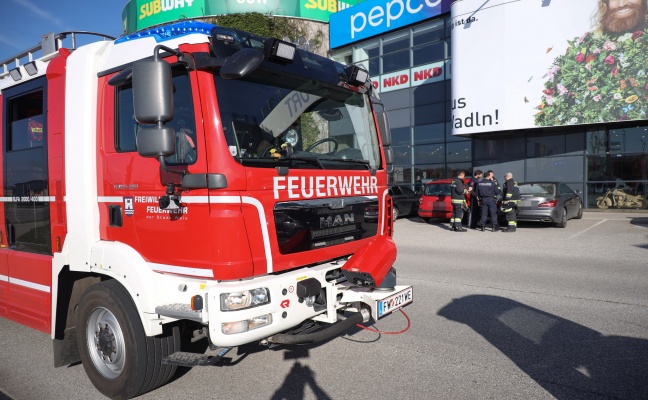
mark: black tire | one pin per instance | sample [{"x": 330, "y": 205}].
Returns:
[
  {"x": 579, "y": 214},
  {"x": 137, "y": 365},
  {"x": 426, "y": 219},
  {"x": 395, "y": 213},
  {"x": 563, "y": 220}
]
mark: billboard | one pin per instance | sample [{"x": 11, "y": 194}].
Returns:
[
  {"x": 373, "y": 17},
  {"x": 531, "y": 63},
  {"x": 142, "y": 14}
]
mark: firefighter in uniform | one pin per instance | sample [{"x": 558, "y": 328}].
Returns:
[
  {"x": 458, "y": 196},
  {"x": 510, "y": 198},
  {"x": 473, "y": 217},
  {"x": 487, "y": 191}
]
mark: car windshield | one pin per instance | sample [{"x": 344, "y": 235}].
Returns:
[
  {"x": 537, "y": 189},
  {"x": 270, "y": 121},
  {"x": 437, "y": 189}
]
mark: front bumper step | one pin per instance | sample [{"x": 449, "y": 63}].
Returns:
[
  {"x": 184, "y": 359},
  {"x": 179, "y": 311}
]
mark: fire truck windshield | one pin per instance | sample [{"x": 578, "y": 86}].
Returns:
[{"x": 271, "y": 120}]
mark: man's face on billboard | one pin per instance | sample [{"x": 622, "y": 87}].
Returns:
[{"x": 624, "y": 16}]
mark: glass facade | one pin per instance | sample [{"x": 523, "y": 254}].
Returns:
[
  {"x": 606, "y": 163},
  {"x": 419, "y": 116}
]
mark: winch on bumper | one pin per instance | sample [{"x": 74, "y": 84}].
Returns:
[{"x": 262, "y": 308}]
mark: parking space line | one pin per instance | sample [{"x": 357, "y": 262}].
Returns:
[{"x": 587, "y": 229}]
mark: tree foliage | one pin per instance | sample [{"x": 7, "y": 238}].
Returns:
[{"x": 259, "y": 24}]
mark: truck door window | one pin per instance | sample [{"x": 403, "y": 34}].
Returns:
[
  {"x": 183, "y": 121},
  {"x": 27, "y": 213}
]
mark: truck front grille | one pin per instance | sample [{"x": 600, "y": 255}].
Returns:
[{"x": 313, "y": 224}]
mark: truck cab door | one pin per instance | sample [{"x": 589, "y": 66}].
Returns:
[{"x": 130, "y": 186}]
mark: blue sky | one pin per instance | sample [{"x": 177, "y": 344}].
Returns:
[{"x": 25, "y": 21}]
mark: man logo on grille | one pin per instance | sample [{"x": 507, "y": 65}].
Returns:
[{"x": 337, "y": 220}]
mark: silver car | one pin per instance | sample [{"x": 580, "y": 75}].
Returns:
[{"x": 549, "y": 202}]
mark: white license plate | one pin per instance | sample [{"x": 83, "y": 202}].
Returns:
[{"x": 395, "y": 301}]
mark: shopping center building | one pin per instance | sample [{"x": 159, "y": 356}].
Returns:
[
  {"x": 538, "y": 88},
  {"x": 474, "y": 86}
]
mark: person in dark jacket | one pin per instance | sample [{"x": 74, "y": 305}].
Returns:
[
  {"x": 494, "y": 179},
  {"x": 510, "y": 198},
  {"x": 487, "y": 191},
  {"x": 458, "y": 197},
  {"x": 473, "y": 217}
]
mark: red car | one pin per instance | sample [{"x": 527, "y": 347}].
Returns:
[{"x": 436, "y": 201}]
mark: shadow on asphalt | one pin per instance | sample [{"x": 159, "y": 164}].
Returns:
[
  {"x": 641, "y": 221},
  {"x": 295, "y": 384},
  {"x": 569, "y": 360}
]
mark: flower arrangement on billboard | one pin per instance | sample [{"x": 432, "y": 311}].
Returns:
[{"x": 600, "y": 78}]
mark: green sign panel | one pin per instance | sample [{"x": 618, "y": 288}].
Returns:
[{"x": 141, "y": 14}]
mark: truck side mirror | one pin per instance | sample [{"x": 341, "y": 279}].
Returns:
[
  {"x": 389, "y": 159},
  {"x": 241, "y": 63},
  {"x": 383, "y": 125},
  {"x": 153, "y": 105},
  {"x": 152, "y": 91},
  {"x": 156, "y": 142},
  {"x": 383, "y": 121}
]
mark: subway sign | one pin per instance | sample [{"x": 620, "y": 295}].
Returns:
[
  {"x": 142, "y": 14},
  {"x": 374, "y": 17}
]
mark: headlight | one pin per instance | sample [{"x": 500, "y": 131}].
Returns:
[
  {"x": 230, "y": 328},
  {"x": 291, "y": 137},
  {"x": 244, "y": 299}
]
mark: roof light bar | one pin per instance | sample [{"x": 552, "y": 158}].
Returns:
[
  {"x": 15, "y": 74},
  {"x": 357, "y": 76},
  {"x": 280, "y": 51},
  {"x": 224, "y": 38},
  {"x": 168, "y": 32},
  {"x": 31, "y": 68}
]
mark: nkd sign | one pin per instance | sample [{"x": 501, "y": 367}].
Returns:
[{"x": 421, "y": 75}]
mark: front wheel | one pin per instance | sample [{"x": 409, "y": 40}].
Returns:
[
  {"x": 603, "y": 202},
  {"x": 426, "y": 219},
  {"x": 395, "y": 213},
  {"x": 120, "y": 360},
  {"x": 579, "y": 214}
]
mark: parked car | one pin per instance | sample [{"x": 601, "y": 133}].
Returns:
[
  {"x": 420, "y": 185},
  {"x": 436, "y": 200},
  {"x": 406, "y": 201},
  {"x": 553, "y": 202}
]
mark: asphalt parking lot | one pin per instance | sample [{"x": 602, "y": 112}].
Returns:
[
  {"x": 568, "y": 307},
  {"x": 543, "y": 313}
]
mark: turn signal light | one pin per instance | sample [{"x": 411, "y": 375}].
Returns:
[{"x": 197, "y": 303}]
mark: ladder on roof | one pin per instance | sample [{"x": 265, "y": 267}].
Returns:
[{"x": 48, "y": 48}]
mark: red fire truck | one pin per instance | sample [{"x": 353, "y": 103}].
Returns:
[{"x": 184, "y": 182}]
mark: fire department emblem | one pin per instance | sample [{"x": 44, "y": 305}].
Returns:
[{"x": 129, "y": 208}]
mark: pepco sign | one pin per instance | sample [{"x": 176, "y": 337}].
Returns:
[{"x": 374, "y": 17}]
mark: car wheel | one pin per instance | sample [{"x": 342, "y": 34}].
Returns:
[
  {"x": 395, "y": 213},
  {"x": 426, "y": 219},
  {"x": 118, "y": 357},
  {"x": 563, "y": 220},
  {"x": 579, "y": 215}
]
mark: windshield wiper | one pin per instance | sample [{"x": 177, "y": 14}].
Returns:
[
  {"x": 349, "y": 160},
  {"x": 311, "y": 160}
]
